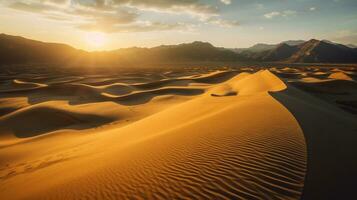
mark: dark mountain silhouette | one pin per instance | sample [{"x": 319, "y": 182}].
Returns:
[
  {"x": 282, "y": 52},
  {"x": 196, "y": 51},
  {"x": 260, "y": 47},
  {"x": 19, "y": 50},
  {"x": 312, "y": 51},
  {"x": 15, "y": 49},
  {"x": 315, "y": 51},
  {"x": 294, "y": 42}
]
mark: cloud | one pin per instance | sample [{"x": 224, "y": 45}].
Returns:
[
  {"x": 227, "y": 2},
  {"x": 284, "y": 13},
  {"x": 30, "y": 7},
  {"x": 223, "y": 22},
  {"x": 272, "y": 14},
  {"x": 193, "y": 7},
  {"x": 122, "y": 15},
  {"x": 312, "y": 8},
  {"x": 141, "y": 26}
]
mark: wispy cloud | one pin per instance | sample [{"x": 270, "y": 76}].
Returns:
[
  {"x": 284, "y": 13},
  {"x": 122, "y": 15},
  {"x": 222, "y": 22},
  {"x": 227, "y": 2},
  {"x": 272, "y": 14},
  {"x": 139, "y": 26}
]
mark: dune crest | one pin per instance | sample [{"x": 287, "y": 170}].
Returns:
[
  {"x": 17, "y": 85},
  {"x": 249, "y": 84},
  {"x": 340, "y": 76},
  {"x": 262, "y": 81}
]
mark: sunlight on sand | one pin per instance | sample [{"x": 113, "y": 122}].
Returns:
[{"x": 233, "y": 133}]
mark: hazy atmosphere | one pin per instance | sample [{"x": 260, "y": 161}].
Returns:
[{"x": 112, "y": 24}]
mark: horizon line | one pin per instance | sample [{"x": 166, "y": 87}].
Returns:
[{"x": 149, "y": 47}]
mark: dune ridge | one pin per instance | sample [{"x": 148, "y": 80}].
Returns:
[
  {"x": 340, "y": 76},
  {"x": 18, "y": 86}
]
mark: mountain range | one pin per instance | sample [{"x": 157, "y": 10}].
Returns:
[
  {"x": 264, "y": 47},
  {"x": 19, "y": 50},
  {"x": 312, "y": 51}
]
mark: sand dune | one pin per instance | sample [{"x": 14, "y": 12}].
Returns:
[
  {"x": 9, "y": 105},
  {"x": 117, "y": 89},
  {"x": 340, "y": 76},
  {"x": 327, "y": 86},
  {"x": 180, "y": 135},
  {"x": 17, "y": 85},
  {"x": 143, "y": 97},
  {"x": 55, "y": 119}
]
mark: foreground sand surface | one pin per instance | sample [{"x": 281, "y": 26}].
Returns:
[{"x": 192, "y": 133}]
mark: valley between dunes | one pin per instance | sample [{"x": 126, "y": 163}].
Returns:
[{"x": 236, "y": 133}]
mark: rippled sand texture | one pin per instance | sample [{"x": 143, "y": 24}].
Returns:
[{"x": 180, "y": 134}]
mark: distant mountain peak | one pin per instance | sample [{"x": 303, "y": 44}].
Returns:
[
  {"x": 294, "y": 42},
  {"x": 200, "y": 43},
  {"x": 283, "y": 45},
  {"x": 314, "y": 41},
  {"x": 281, "y": 52},
  {"x": 311, "y": 51}
]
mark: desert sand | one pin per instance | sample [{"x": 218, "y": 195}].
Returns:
[{"x": 195, "y": 133}]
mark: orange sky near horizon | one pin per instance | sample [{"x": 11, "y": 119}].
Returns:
[{"x": 105, "y": 25}]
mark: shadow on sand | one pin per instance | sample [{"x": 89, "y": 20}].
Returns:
[{"x": 331, "y": 139}]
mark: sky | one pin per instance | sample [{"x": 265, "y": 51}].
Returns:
[{"x": 111, "y": 24}]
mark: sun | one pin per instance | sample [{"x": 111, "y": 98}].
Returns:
[{"x": 95, "y": 39}]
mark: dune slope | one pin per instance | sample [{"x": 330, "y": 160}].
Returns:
[{"x": 234, "y": 141}]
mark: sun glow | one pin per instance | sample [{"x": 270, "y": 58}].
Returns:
[{"x": 95, "y": 39}]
